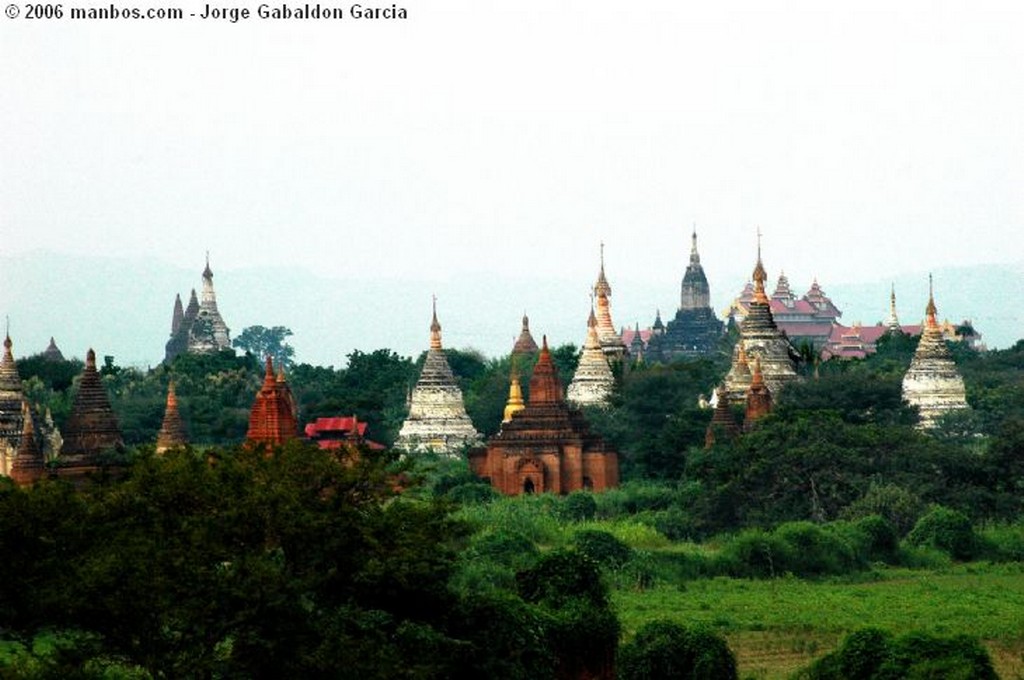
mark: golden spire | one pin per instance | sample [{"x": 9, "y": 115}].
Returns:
[
  {"x": 435, "y": 329},
  {"x": 515, "y": 394},
  {"x": 760, "y": 275},
  {"x": 930, "y": 310}
]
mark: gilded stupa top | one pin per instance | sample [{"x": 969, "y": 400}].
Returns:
[
  {"x": 435, "y": 329},
  {"x": 759, "y": 275}
]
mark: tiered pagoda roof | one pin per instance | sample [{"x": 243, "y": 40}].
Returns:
[
  {"x": 593, "y": 381},
  {"x": 437, "y": 419},
  {"x": 92, "y": 426},
  {"x": 172, "y": 432},
  {"x": 932, "y": 383},
  {"x": 760, "y": 339}
]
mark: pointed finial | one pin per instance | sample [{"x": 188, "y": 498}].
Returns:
[
  {"x": 544, "y": 343},
  {"x": 602, "y": 255},
  {"x": 90, "y": 359},
  {"x": 930, "y": 310},
  {"x": 435, "y": 327}
]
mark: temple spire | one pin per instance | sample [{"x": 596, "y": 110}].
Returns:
[
  {"x": 759, "y": 275},
  {"x": 694, "y": 255},
  {"x": 930, "y": 310},
  {"x": 435, "y": 328},
  {"x": 893, "y": 323}
]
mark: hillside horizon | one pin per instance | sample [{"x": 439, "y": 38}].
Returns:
[{"x": 126, "y": 311}]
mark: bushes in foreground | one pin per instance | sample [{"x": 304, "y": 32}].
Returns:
[
  {"x": 664, "y": 649},
  {"x": 872, "y": 654}
]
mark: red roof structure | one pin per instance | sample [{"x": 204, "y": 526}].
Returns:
[{"x": 339, "y": 432}]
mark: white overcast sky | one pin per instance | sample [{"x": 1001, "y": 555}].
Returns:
[{"x": 864, "y": 138}]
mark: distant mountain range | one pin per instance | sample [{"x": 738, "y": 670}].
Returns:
[{"x": 122, "y": 307}]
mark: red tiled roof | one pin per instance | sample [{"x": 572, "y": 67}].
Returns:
[
  {"x": 627, "y": 336},
  {"x": 336, "y": 424}
]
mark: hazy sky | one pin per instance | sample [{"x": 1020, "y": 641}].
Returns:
[{"x": 865, "y": 138}]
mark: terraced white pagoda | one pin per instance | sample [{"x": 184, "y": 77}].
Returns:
[
  {"x": 437, "y": 419},
  {"x": 932, "y": 383}
]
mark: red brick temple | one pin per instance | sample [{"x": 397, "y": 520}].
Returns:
[
  {"x": 274, "y": 418},
  {"x": 546, "y": 446}
]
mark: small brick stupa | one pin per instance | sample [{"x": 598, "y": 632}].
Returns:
[
  {"x": 172, "y": 432},
  {"x": 759, "y": 398},
  {"x": 932, "y": 383},
  {"x": 525, "y": 344},
  {"x": 547, "y": 445},
  {"x": 437, "y": 419},
  {"x": 593, "y": 381},
  {"x": 92, "y": 426},
  {"x": 273, "y": 419},
  {"x": 29, "y": 465}
]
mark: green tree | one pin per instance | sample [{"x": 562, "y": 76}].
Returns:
[{"x": 261, "y": 342}]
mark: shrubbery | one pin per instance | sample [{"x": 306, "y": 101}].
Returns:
[
  {"x": 947, "y": 530},
  {"x": 664, "y": 649},
  {"x": 871, "y": 654}
]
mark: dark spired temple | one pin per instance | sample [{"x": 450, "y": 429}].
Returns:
[
  {"x": 92, "y": 426},
  {"x": 546, "y": 446},
  {"x": 695, "y": 331}
]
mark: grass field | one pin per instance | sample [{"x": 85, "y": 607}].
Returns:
[{"x": 778, "y": 626}]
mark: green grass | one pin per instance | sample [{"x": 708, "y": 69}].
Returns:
[{"x": 776, "y": 626}]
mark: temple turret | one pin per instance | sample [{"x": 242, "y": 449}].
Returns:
[
  {"x": 172, "y": 432},
  {"x": 759, "y": 399},
  {"x": 437, "y": 419},
  {"x": 92, "y": 426},
  {"x": 52, "y": 352},
  {"x": 611, "y": 341},
  {"x": 272, "y": 420},
  {"x": 932, "y": 383},
  {"x": 695, "y": 331},
  {"x": 525, "y": 344},
  {"x": 760, "y": 339},
  {"x": 593, "y": 381},
  {"x": 547, "y": 445},
  {"x": 178, "y": 315}
]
